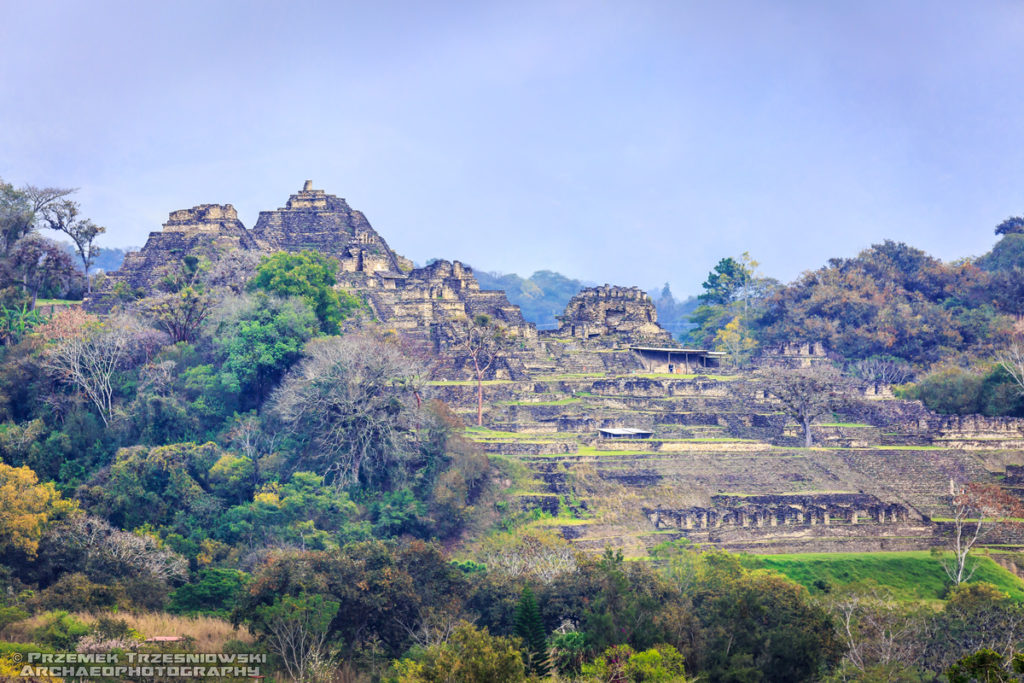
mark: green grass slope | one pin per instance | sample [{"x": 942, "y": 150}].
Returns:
[{"x": 909, "y": 575}]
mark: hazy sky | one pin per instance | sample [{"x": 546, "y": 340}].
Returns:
[{"x": 627, "y": 142}]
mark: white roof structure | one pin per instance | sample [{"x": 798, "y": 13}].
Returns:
[{"x": 625, "y": 431}]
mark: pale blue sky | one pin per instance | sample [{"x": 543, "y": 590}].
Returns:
[{"x": 625, "y": 142}]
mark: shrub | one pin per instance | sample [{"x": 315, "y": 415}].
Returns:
[{"x": 60, "y": 630}]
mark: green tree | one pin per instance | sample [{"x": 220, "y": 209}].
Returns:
[
  {"x": 976, "y": 616},
  {"x": 755, "y": 625},
  {"x": 16, "y": 216},
  {"x": 892, "y": 300},
  {"x": 232, "y": 477},
  {"x": 470, "y": 655},
  {"x": 724, "y": 284},
  {"x": 29, "y": 263},
  {"x": 1014, "y": 225},
  {"x": 164, "y": 485},
  {"x": 983, "y": 666},
  {"x": 27, "y": 509},
  {"x": 40, "y": 267},
  {"x": 530, "y": 628},
  {"x": 733, "y": 296},
  {"x": 63, "y": 216},
  {"x": 383, "y": 590},
  {"x": 621, "y": 663},
  {"x": 311, "y": 277},
  {"x": 1007, "y": 253},
  {"x": 258, "y": 338},
  {"x": 213, "y": 591}
]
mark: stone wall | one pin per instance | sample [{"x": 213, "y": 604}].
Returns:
[
  {"x": 782, "y": 510},
  {"x": 793, "y": 355}
]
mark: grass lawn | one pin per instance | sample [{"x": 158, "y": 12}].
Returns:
[
  {"x": 58, "y": 302},
  {"x": 841, "y": 424},
  {"x": 909, "y": 575},
  {"x": 467, "y": 382},
  {"x": 557, "y": 402}
]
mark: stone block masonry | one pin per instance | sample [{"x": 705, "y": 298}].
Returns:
[{"x": 626, "y": 312}]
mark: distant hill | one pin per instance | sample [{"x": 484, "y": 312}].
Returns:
[
  {"x": 541, "y": 297},
  {"x": 110, "y": 258}
]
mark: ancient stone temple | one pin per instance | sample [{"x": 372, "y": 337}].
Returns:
[
  {"x": 441, "y": 291},
  {"x": 207, "y": 231},
  {"x": 321, "y": 222},
  {"x": 627, "y": 313},
  {"x": 414, "y": 300}
]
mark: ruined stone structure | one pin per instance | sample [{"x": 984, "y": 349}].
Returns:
[
  {"x": 717, "y": 466},
  {"x": 794, "y": 355},
  {"x": 415, "y": 301},
  {"x": 783, "y": 510},
  {"x": 321, "y": 222},
  {"x": 625, "y": 312},
  {"x": 670, "y": 360},
  {"x": 207, "y": 231},
  {"x": 441, "y": 291}
]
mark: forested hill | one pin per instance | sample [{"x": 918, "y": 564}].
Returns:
[
  {"x": 950, "y": 332},
  {"x": 541, "y": 296}
]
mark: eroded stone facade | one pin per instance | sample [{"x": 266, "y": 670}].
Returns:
[
  {"x": 627, "y": 313},
  {"x": 207, "y": 231},
  {"x": 416, "y": 301}
]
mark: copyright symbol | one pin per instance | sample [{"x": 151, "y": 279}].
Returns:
[{"x": 17, "y": 656}]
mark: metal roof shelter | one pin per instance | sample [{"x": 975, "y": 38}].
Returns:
[
  {"x": 675, "y": 360},
  {"x": 625, "y": 433}
]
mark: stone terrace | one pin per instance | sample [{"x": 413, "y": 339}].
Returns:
[{"x": 717, "y": 455}]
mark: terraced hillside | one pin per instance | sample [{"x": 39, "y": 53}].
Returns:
[{"x": 725, "y": 469}]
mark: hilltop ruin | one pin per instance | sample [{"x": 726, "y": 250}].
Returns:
[{"x": 712, "y": 465}]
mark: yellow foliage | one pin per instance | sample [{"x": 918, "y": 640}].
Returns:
[
  {"x": 26, "y": 507},
  {"x": 268, "y": 497},
  {"x": 735, "y": 339}
]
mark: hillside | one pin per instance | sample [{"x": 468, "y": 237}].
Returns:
[{"x": 291, "y": 425}]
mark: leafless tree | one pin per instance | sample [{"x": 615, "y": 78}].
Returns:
[
  {"x": 180, "y": 314},
  {"x": 121, "y": 551},
  {"x": 804, "y": 393},
  {"x": 296, "y": 630},
  {"x": 878, "y": 633},
  {"x": 480, "y": 340},
  {"x": 884, "y": 370},
  {"x": 544, "y": 557},
  {"x": 246, "y": 435},
  {"x": 977, "y": 509},
  {"x": 40, "y": 198},
  {"x": 435, "y": 624},
  {"x": 353, "y": 401},
  {"x": 1011, "y": 360},
  {"x": 88, "y": 355},
  {"x": 232, "y": 270}
]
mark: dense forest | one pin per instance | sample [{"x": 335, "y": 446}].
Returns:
[
  {"x": 945, "y": 333},
  {"x": 240, "y": 452}
]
